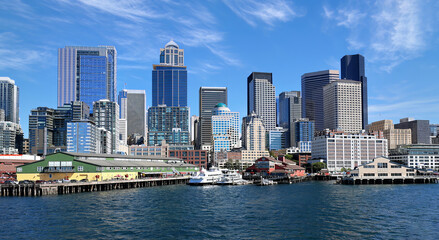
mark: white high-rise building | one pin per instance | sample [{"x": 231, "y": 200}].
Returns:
[
  {"x": 225, "y": 128},
  {"x": 342, "y": 106},
  {"x": 262, "y": 98},
  {"x": 9, "y": 100}
]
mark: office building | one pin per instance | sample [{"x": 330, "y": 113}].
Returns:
[
  {"x": 11, "y": 138},
  {"x": 424, "y": 156},
  {"x": 169, "y": 78},
  {"x": 342, "y": 106},
  {"x": 312, "y": 95},
  {"x": 352, "y": 68},
  {"x": 225, "y": 128},
  {"x": 106, "y": 115},
  {"x": 253, "y": 133},
  {"x": 420, "y": 129},
  {"x": 290, "y": 108},
  {"x": 132, "y": 105},
  {"x": 87, "y": 74},
  {"x": 195, "y": 131},
  {"x": 9, "y": 101},
  {"x": 209, "y": 98},
  {"x": 261, "y": 98},
  {"x": 348, "y": 150},
  {"x": 82, "y": 137},
  {"x": 302, "y": 134},
  {"x": 277, "y": 139},
  {"x": 395, "y": 137},
  {"x": 168, "y": 123},
  {"x": 104, "y": 141}
]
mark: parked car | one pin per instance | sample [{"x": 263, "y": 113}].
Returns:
[
  {"x": 40, "y": 182},
  {"x": 73, "y": 181},
  {"x": 65, "y": 180},
  {"x": 84, "y": 180},
  {"x": 11, "y": 182},
  {"x": 58, "y": 181},
  {"x": 26, "y": 182}
]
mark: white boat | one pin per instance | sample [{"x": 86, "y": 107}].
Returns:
[
  {"x": 206, "y": 177},
  {"x": 231, "y": 177}
]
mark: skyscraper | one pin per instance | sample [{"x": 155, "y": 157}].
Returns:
[
  {"x": 168, "y": 123},
  {"x": 253, "y": 133},
  {"x": 312, "y": 95},
  {"x": 302, "y": 133},
  {"x": 342, "y": 106},
  {"x": 225, "y": 128},
  {"x": 86, "y": 74},
  {"x": 106, "y": 115},
  {"x": 169, "y": 78},
  {"x": 290, "y": 109},
  {"x": 9, "y": 99},
  {"x": 209, "y": 98},
  {"x": 133, "y": 108},
  {"x": 261, "y": 98},
  {"x": 352, "y": 68},
  {"x": 82, "y": 137}
]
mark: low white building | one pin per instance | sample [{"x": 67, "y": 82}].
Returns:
[
  {"x": 424, "y": 156},
  {"x": 348, "y": 150}
]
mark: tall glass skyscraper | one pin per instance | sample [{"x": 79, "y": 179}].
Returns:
[
  {"x": 133, "y": 108},
  {"x": 225, "y": 128},
  {"x": 169, "y": 78},
  {"x": 312, "y": 95},
  {"x": 209, "y": 98},
  {"x": 352, "y": 68},
  {"x": 9, "y": 100},
  {"x": 86, "y": 74},
  {"x": 261, "y": 98}
]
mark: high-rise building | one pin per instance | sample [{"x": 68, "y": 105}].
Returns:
[
  {"x": 169, "y": 78},
  {"x": 168, "y": 123},
  {"x": 106, "y": 115},
  {"x": 11, "y": 138},
  {"x": 82, "y": 137},
  {"x": 261, "y": 98},
  {"x": 290, "y": 109},
  {"x": 225, "y": 128},
  {"x": 195, "y": 131},
  {"x": 352, "y": 68},
  {"x": 209, "y": 98},
  {"x": 302, "y": 133},
  {"x": 312, "y": 95},
  {"x": 342, "y": 106},
  {"x": 86, "y": 74},
  {"x": 41, "y": 131},
  {"x": 277, "y": 139},
  {"x": 395, "y": 137},
  {"x": 132, "y": 105},
  {"x": 420, "y": 129},
  {"x": 253, "y": 133},
  {"x": 9, "y": 99}
]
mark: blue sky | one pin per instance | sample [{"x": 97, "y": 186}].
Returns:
[{"x": 224, "y": 41}]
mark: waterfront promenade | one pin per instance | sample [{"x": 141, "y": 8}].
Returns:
[{"x": 78, "y": 187}]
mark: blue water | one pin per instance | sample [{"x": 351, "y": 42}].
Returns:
[{"x": 310, "y": 210}]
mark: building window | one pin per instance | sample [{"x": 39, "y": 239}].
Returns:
[
  {"x": 369, "y": 166},
  {"x": 40, "y": 169},
  {"x": 19, "y": 169},
  {"x": 396, "y": 174},
  {"x": 395, "y": 166},
  {"x": 369, "y": 174},
  {"x": 382, "y": 165},
  {"x": 80, "y": 168},
  {"x": 383, "y": 174}
]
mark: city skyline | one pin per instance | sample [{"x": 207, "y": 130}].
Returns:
[{"x": 217, "y": 54}]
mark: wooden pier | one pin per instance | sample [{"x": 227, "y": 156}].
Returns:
[
  {"x": 413, "y": 180},
  {"x": 25, "y": 190}
]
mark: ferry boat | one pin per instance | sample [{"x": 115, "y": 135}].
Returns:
[
  {"x": 206, "y": 177},
  {"x": 231, "y": 177}
]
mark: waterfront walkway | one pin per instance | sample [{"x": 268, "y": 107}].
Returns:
[{"x": 78, "y": 187}]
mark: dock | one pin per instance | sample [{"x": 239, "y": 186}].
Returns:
[
  {"x": 410, "y": 180},
  {"x": 34, "y": 190}
]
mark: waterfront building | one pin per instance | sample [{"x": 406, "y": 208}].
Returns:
[
  {"x": 198, "y": 158},
  {"x": 106, "y": 115},
  {"x": 424, "y": 156},
  {"x": 352, "y": 68},
  {"x": 420, "y": 129},
  {"x": 82, "y": 137},
  {"x": 132, "y": 105},
  {"x": 101, "y": 167},
  {"x": 312, "y": 95},
  {"x": 225, "y": 128},
  {"x": 277, "y": 139},
  {"x": 342, "y": 106},
  {"x": 302, "y": 134},
  {"x": 9, "y": 163},
  {"x": 268, "y": 166},
  {"x": 209, "y": 98},
  {"x": 169, "y": 78},
  {"x": 249, "y": 157},
  {"x": 168, "y": 123},
  {"x": 11, "y": 138},
  {"x": 348, "y": 150},
  {"x": 261, "y": 98},
  {"x": 87, "y": 74},
  {"x": 290, "y": 109},
  {"x": 394, "y": 136},
  {"x": 9, "y": 101}
]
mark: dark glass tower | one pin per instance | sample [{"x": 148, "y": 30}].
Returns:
[
  {"x": 209, "y": 98},
  {"x": 352, "y": 68}
]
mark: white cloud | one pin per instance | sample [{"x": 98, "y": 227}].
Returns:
[{"x": 268, "y": 12}]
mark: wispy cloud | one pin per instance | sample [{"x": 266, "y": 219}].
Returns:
[
  {"x": 269, "y": 12},
  {"x": 388, "y": 31}
]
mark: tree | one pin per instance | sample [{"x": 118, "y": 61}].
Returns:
[
  {"x": 317, "y": 166},
  {"x": 289, "y": 157}
]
